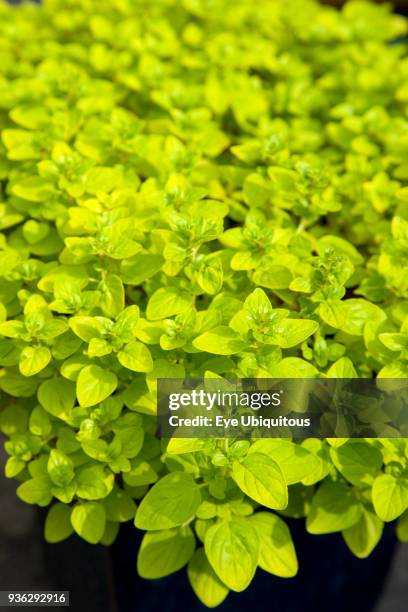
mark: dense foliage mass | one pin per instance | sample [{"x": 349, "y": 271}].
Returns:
[{"x": 201, "y": 188}]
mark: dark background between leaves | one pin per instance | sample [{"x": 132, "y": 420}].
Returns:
[{"x": 105, "y": 580}]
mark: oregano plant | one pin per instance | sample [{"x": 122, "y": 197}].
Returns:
[{"x": 200, "y": 188}]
